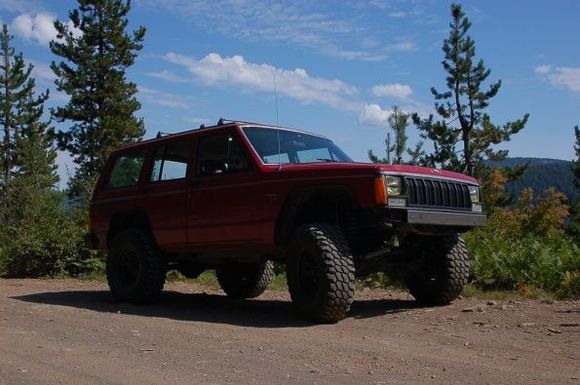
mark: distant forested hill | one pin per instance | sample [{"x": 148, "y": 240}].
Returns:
[{"x": 541, "y": 174}]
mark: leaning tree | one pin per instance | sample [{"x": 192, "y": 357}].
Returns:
[{"x": 463, "y": 134}]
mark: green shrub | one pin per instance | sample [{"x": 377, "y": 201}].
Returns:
[
  {"x": 44, "y": 241},
  {"x": 500, "y": 261}
]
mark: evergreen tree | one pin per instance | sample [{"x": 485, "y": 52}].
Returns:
[
  {"x": 398, "y": 122},
  {"x": 375, "y": 159},
  {"x": 574, "y": 224},
  {"x": 16, "y": 83},
  {"x": 35, "y": 152},
  {"x": 464, "y": 135},
  {"x": 418, "y": 155},
  {"x": 576, "y": 166},
  {"x": 32, "y": 185},
  {"x": 29, "y": 152},
  {"x": 36, "y": 236},
  {"x": 96, "y": 53}
]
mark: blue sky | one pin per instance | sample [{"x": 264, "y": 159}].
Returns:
[{"x": 339, "y": 65}]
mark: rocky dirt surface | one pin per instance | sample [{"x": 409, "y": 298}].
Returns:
[{"x": 71, "y": 332}]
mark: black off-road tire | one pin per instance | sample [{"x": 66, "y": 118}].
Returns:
[
  {"x": 320, "y": 271},
  {"x": 444, "y": 271},
  {"x": 245, "y": 281},
  {"x": 135, "y": 268}
]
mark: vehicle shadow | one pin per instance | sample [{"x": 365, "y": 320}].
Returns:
[{"x": 211, "y": 308}]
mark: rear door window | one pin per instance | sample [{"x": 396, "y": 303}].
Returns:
[
  {"x": 221, "y": 154},
  {"x": 126, "y": 170},
  {"x": 170, "y": 161}
]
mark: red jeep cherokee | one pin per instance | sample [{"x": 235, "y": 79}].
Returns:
[{"x": 236, "y": 196}]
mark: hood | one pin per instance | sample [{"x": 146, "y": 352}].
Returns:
[{"x": 350, "y": 168}]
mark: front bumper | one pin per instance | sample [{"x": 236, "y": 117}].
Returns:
[
  {"x": 414, "y": 216},
  {"x": 445, "y": 218}
]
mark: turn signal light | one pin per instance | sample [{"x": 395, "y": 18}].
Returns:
[{"x": 380, "y": 191}]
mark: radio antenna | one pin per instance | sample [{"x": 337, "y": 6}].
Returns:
[
  {"x": 277, "y": 123},
  {"x": 276, "y": 97}
]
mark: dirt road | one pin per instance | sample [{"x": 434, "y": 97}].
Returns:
[{"x": 71, "y": 332}]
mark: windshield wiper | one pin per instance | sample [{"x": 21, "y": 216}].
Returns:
[{"x": 326, "y": 160}]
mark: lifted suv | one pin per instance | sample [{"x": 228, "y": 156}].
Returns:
[{"x": 237, "y": 196}]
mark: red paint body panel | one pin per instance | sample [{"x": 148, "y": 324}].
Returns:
[{"x": 229, "y": 210}]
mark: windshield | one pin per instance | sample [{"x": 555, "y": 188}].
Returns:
[{"x": 293, "y": 147}]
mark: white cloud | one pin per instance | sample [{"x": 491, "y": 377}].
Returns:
[
  {"x": 303, "y": 23},
  {"x": 39, "y": 28},
  {"x": 397, "y": 14},
  {"x": 396, "y": 90},
  {"x": 168, "y": 76},
  {"x": 568, "y": 77},
  {"x": 42, "y": 72},
  {"x": 164, "y": 98},
  {"x": 404, "y": 45},
  {"x": 297, "y": 84},
  {"x": 374, "y": 115},
  {"x": 543, "y": 69},
  {"x": 565, "y": 77},
  {"x": 235, "y": 71},
  {"x": 196, "y": 120}
]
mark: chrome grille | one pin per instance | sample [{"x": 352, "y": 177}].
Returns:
[{"x": 437, "y": 193}]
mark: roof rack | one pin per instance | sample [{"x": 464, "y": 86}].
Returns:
[
  {"x": 161, "y": 134},
  {"x": 223, "y": 121}
]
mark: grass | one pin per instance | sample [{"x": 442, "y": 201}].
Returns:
[
  {"x": 374, "y": 282},
  {"x": 472, "y": 291},
  {"x": 279, "y": 283},
  {"x": 209, "y": 279}
]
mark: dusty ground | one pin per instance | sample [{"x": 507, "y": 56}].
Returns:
[{"x": 70, "y": 332}]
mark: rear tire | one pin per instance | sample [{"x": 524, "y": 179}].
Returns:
[
  {"x": 321, "y": 273},
  {"x": 444, "y": 272},
  {"x": 245, "y": 281},
  {"x": 135, "y": 268}
]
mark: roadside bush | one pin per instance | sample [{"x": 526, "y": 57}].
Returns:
[
  {"x": 43, "y": 241},
  {"x": 504, "y": 257}
]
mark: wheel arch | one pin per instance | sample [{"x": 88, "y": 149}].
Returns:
[
  {"x": 314, "y": 204},
  {"x": 129, "y": 219}
]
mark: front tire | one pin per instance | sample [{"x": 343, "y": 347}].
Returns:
[
  {"x": 321, "y": 273},
  {"x": 444, "y": 270},
  {"x": 135, "y": 268},
  {"x": 245, "y": 281}
]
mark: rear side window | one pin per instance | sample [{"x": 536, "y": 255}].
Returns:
[
  {"x": 170, "y": 161},
  {"x": 221, "y": 154},
  {"x": 126, "y": 170}
]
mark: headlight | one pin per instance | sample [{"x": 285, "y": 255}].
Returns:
[
  {"x": 393, "y": 185},
  {"x": 474, "y": 194},
  {"x": 387, "y": 186}
]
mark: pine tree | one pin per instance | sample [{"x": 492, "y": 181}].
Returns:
[
  {"x": 96, "y": 53},
  {"x": 32, "y": 185},
  {"x": 574, "y": 223},
  {"x": 576, "y": 165},
  {"x": 35, "y": 152},
  {"x": 16, "y": 84},
  {"x": 398, "y": 122},
  {"x": 463, "y": 122},
  {"x": 36, "y": 236},
  {"x": 375, "y": 159},
  {"x": 418, "y": 155},
  {"x": 30, "y": 169}
]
